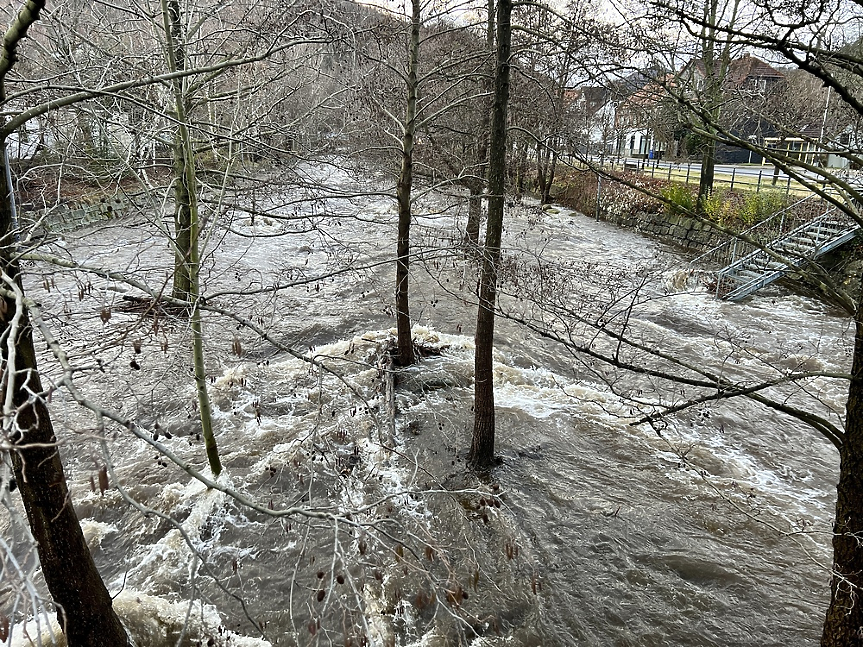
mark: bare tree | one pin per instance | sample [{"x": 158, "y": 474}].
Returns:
[
  {"x": 481, "y": 455},
  {"x": 812, "y": 40},
  {"x": 84, "y": 607}
]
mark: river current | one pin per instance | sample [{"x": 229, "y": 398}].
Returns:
[{"x": 711, "y": 528}]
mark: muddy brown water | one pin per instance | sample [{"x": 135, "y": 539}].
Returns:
[{"x": 590, "y": 532}]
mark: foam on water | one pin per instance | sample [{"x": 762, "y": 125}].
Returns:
[{"x": 151, "y": 621}]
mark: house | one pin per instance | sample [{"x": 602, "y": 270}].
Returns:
[
  {"x": 590, "y": 119},
  {"x": 747, "y": 76},
  {"x": 750, "y": 76},
  {"x": 745, "y": 94},
  {"x": 639, "y": 116},
  {"x": 642, "y": 121}
]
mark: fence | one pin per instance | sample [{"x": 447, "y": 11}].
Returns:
[{"x": 739, "y": 177}]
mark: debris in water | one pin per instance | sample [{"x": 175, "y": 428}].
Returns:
[{"x": 103, "y": 480}]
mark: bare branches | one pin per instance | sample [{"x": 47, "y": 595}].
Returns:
[{"x": 16, "y": 32}]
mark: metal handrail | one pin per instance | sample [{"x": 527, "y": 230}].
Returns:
[
  {"x": 785, "y": 237},
  {"x": 763, "y": 231},
  {"x": 847, "y": 226}
]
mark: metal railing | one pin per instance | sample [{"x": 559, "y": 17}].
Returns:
[
  {"x": 740, "y": 177},
  {"x": 779, "y": 224},
  {"x": 805, "y": 242}
]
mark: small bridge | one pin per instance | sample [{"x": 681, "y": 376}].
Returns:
[{"x": 776, "y": 246}]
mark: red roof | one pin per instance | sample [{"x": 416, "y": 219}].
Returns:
[{"x": 749, "y": 67}]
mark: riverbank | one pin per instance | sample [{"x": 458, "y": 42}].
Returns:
[{"x": 634, "y": 206}]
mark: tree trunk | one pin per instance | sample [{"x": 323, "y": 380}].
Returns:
[
  {"x": 540, "y": 170},
  {"x": 84, "y": 608},
  {"x": 776, "y": 166},
  {"x": 715, "y": 69},
  {"x": 552, "y": 172},
  {"x": 182, "y": 227},
  {"x": 843, "y": 626},
  {"x": 474, "y": 205},
  {"x": 481, "y": 454},
  {"x": 708, "y": 164},
  {"x": 548, "y": 168},
  {"x": 474, "y": 217},
  {"x": 192, "y": 260},
  {"x": 181, "y": 287},
  {"x": 403, "y": 193},
  {"x": 521, "y": 167}
]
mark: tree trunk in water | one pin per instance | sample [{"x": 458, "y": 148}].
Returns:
[
  {"x": 546, "y": 168},
  {"x": 182, "y": 200},
  {"x": 481, "y": 454},
  {"x": 403, "y": 194},
  {"x": 474, "y": 218},
  {"x": 192, "y": 259},
  {"x": 843, "y": 626},
  {"x": 84, "y": 608},
  {"x": 540, "y": 170},
  {"x": 552, "y": 171},
  {"x": 521, "y": 170}
]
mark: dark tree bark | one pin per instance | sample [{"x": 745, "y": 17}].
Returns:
[
  {"x": 708, "y": 166},
  {"x": 84, "y": 607},
  {"x": 182, "y": 225},
  {"x": 403, "y": 194},
  {"x": 474, "y": 216},
  {"x": 191, "y": 266},
  {"x": 546, "y": 168},
  {"x": 716, "y": 57},
  {"x": 521, "y": 164},
  {"x": 843, "y": 625},
  {"x": 481, "y": 454}
]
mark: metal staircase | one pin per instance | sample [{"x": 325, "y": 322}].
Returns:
[{"x": 775, "y": 247}]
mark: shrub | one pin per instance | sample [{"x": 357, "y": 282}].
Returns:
[
  {"x": 736, "y": 210},
  {"x": 760, "y": 206},
  {"x": 681, "y": 198},
  {"x": 740, "y": 210},
  {"x": 577, "y": 190}
]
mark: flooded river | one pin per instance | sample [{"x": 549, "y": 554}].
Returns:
[{"x": 709, "y": 528}]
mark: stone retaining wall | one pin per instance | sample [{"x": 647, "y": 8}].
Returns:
[
  {"x": 66, "y": 218},
  {"x": 673, "y": 229}
]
